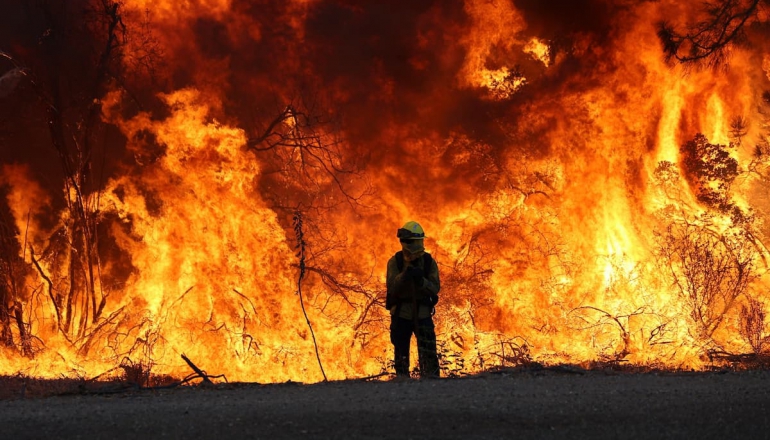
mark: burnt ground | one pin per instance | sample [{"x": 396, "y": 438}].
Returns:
[{"x": 566, "y": 404}]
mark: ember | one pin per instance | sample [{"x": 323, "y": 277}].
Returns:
[{"x": 225, "y": 180}]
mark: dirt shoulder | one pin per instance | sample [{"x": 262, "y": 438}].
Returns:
[{"x": 501, "y": 405}]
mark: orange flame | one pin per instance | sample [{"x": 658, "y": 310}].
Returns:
[{"x": 538, "y": 171}]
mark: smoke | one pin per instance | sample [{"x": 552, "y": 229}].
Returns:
[{"x": 9, "y": 81}]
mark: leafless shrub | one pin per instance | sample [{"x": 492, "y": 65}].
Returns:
[
  {"x": 753, "y": 325},
  {"x": 594, "y": 317},
  {"x": 137, "y": 373},
  {"x": 709, "y": 271},
  {"x": 514, "y": 354},
  {"x": 503, "y": 352}
]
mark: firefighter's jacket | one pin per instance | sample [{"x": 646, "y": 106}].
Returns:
[{"x": 404, "y": 293}]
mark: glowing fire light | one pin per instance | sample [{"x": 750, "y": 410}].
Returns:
[
  {"x": 575, "y": 214},
  {"x": 539, "y": 50}
]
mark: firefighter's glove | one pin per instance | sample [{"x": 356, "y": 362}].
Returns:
[{"x": 416, "y": 274}]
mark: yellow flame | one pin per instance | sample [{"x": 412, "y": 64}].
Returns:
[{"x": 539, "y": 50}]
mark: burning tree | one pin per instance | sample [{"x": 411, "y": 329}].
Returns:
[
  {"x": 61, "y": 87},
  {"x": 14, "y": 327},
  {"x": 711, "y": 258}
]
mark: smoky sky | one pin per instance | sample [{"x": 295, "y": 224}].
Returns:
[
  {"x": 370, "y": 66},
  {"x": 553, "y": 19}
]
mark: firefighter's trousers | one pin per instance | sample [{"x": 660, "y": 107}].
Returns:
[{"x": 401, "y": 331}]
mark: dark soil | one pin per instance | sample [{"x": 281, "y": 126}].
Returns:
[{"x": 550, "y": 403}]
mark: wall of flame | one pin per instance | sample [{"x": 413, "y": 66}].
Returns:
[{"x": 523, "y": 138}]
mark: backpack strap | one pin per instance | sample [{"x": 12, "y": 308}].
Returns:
[
  {"x": 426, "y": 259},
  {"x": 400, "y": 260}
]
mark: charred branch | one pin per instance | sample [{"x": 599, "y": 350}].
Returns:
[
  {"x": 96, "y": 330},
  {"x": 197, "y": 370},
  {"x": 371, "y": 298},
  {"x": 10, "y": 288},
  {"x": 708, "y": 41},
  {"x": 620, "y": 320},
  {"x": 304, "y": 151},
  {"x": 740, "y": 360},
  {"x": 50, "y": 285},
  {"x": 301, "y": 255},
  {"x": 514, "y": 354}
]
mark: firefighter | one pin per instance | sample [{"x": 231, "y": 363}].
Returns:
[{"x": 412, "y": 292}]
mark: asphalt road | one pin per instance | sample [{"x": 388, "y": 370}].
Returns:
[{"x": 515, "y": 405}]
